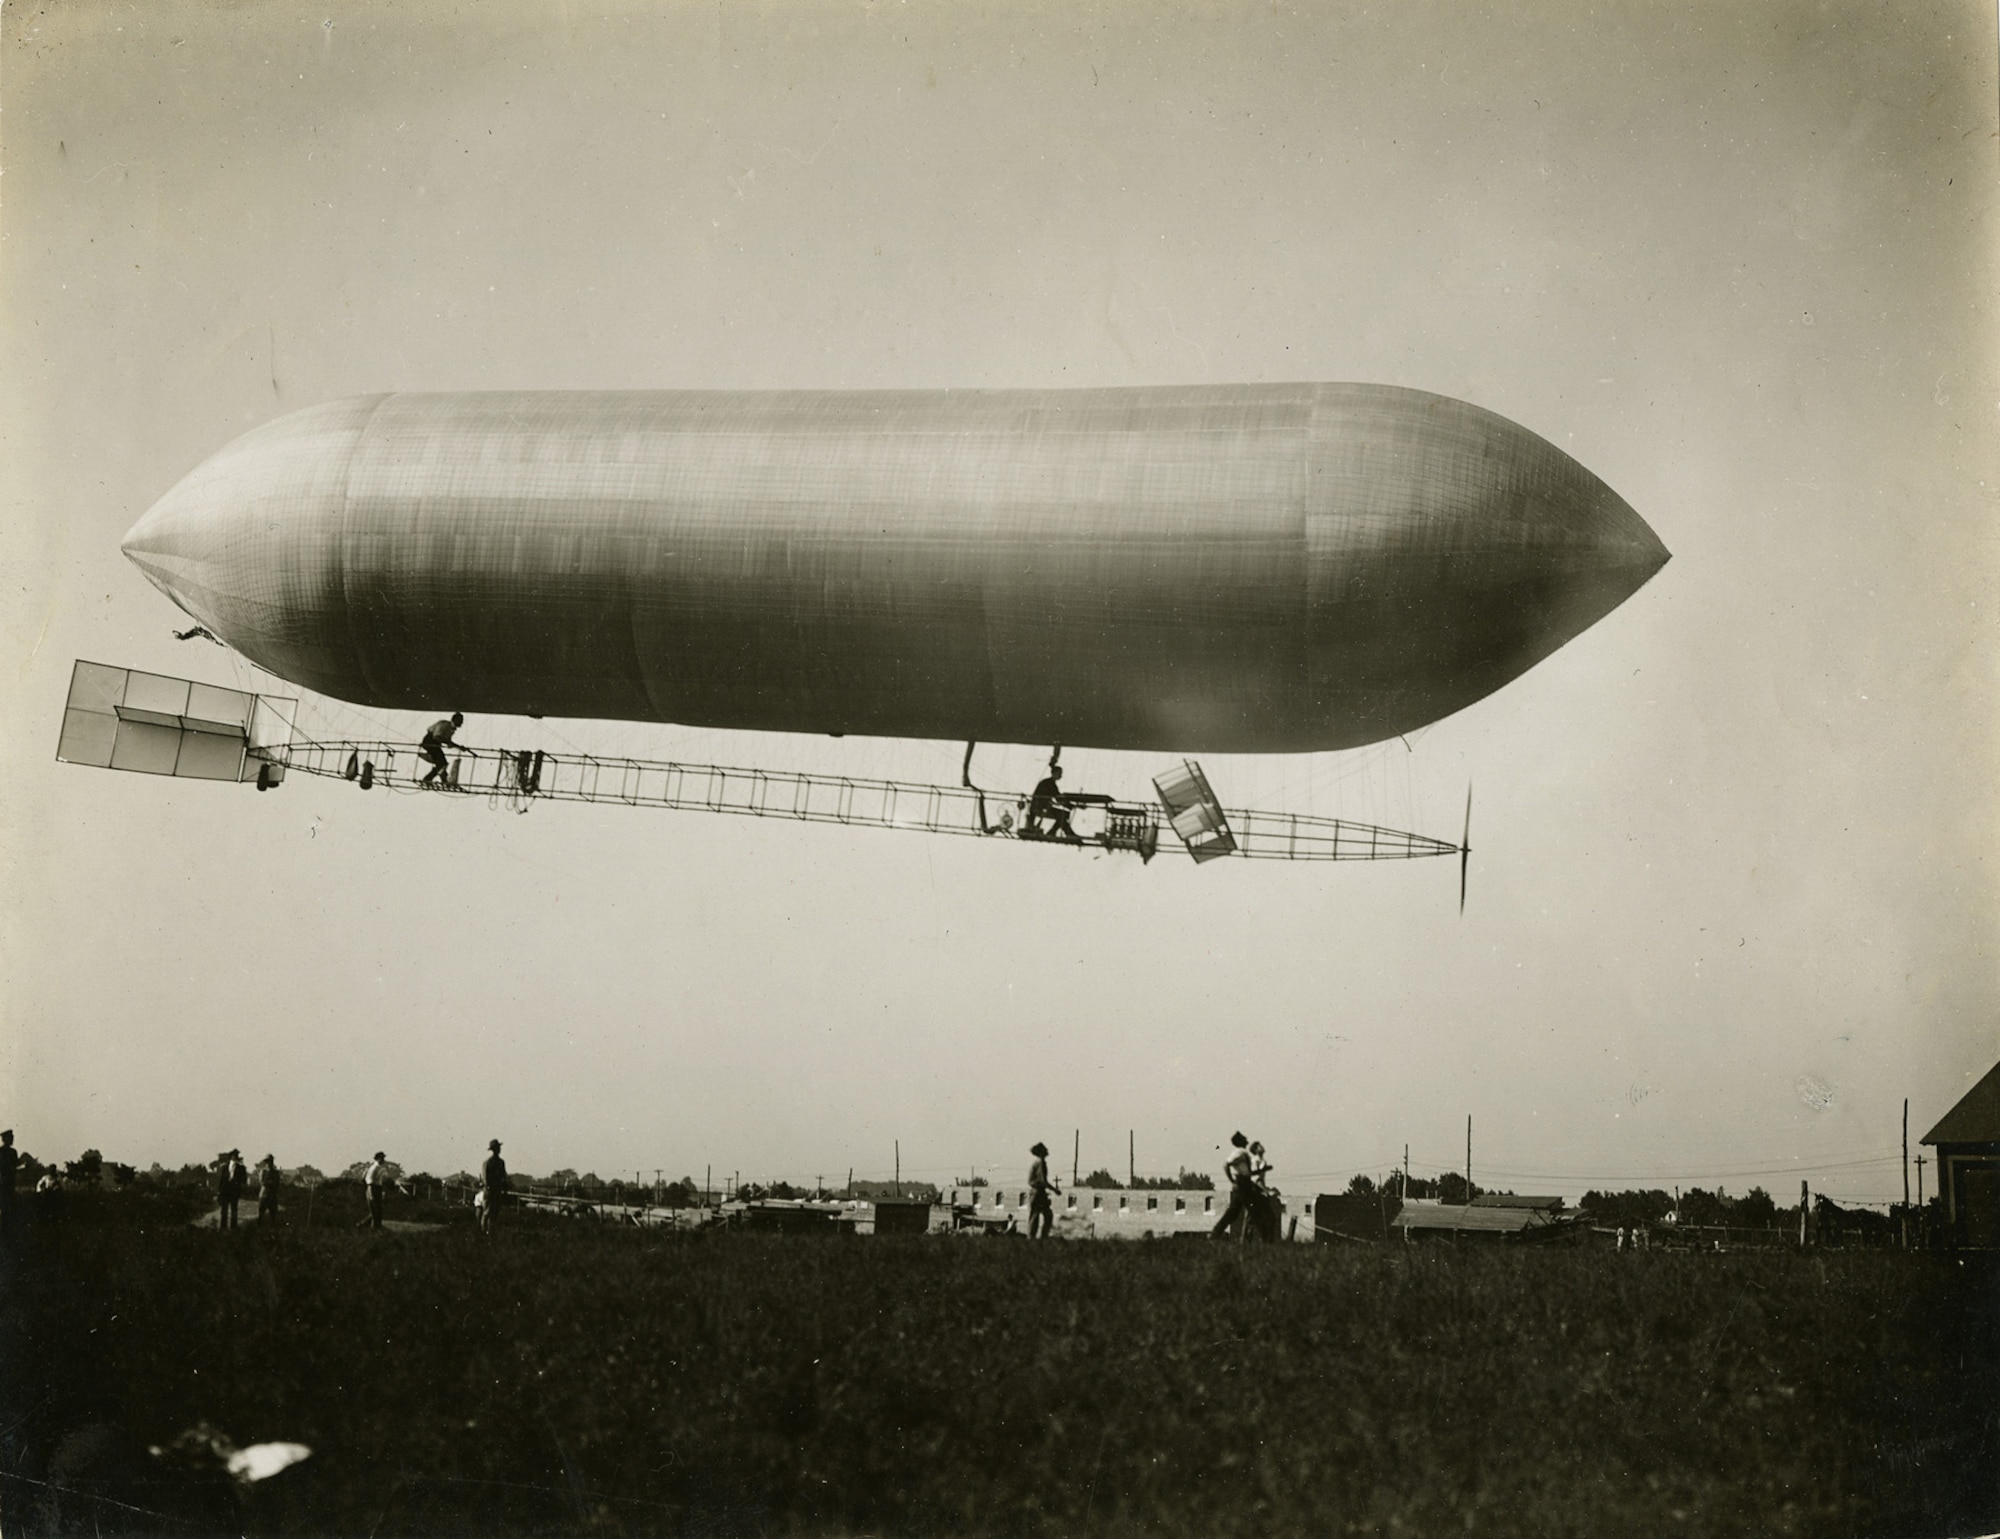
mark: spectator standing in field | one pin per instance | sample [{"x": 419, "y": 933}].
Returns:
[
  {"x": 1041, "y": 1206},
  {"x": 1237, "y": 1172},
  {"x": 267, "y": 1188},
  {"x": 376, "y": 1178},
  {"x": 10, "y": 1169},
  {"x": 436, "y": 737},
  {"x": 492, "y": 1186},
  {"x": 239, "y": 1180},
  {"x": 1262, "y": 1219},
  {"x": 225, "y": 1199},
  {"x": 49, "y": 1197}
]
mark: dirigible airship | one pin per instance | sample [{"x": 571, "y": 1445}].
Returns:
[{"x": 1235, "y": 568}]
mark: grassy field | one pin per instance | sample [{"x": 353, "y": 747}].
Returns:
[{"x": 572, "y": 1377}]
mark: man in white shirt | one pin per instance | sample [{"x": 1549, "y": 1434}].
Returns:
[
  {"x": 377, "y": 1178},
  {"x": 1241, "y": 1189}
]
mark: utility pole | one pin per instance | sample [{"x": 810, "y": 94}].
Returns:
[
  {"x": 1468, "y": 1159},
  {"x": 1075, "y": 1156},
  {"x": 1131, "y": 1157},
  {"x": 1406, "y": 1172},
  {"x": 899, "y": 1167},
  {"x": 1906, "y": 1172},
  {"x": 707, "y": 1183},
  {"x": 1805, "y": 1203},
  {"x": 1920, "y": 1185}
]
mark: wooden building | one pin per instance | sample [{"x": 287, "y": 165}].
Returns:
[{"x": 1967, "y": 1140}]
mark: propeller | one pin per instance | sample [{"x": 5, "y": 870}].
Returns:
[{"x": 1465, "y": 849}]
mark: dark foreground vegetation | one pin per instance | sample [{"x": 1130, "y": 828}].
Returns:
[{"x": 571, "y": 1377}]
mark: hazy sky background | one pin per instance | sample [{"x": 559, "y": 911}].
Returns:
[{"x": 1733, "y": 888}]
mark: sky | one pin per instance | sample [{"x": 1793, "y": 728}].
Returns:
[{"x": 1732, "y": 892}]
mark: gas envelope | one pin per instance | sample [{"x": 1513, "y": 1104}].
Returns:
[{"x": 1247, "y": 568}]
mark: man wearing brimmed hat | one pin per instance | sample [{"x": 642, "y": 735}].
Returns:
[
  {"x": 1041, "y": 1207},
  {"x": 492, "y": 1186}
]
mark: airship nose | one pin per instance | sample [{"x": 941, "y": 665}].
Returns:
[
  {"x": 175, "y": 545},
  {"x": 1455, "y": 549},
  {"x": 224, "y": 540}
]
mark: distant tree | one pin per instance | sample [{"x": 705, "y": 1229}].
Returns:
[
  {"x": 976, "y": 1181},
  {"x": 123, "y": 1175},
  {"x": 1623, "y": 1210},
  {"x": 86, "y": 1169},
  {"x": 1451, "y": 1189},
  {"x": 566, "y": 1180},
  {"x": 1361, "y": 1186},
  {"x": 1702, "y": 1207},
  {"x": 1102, "y": 1181},
  {"x": 1180, "y": 1181},
  {"x": 1755, "y": 1210},
  {"x": 1832, "y": 1223},
  {"x": 683, "y": 1193},
  {"x": 303, "y": 1175}
]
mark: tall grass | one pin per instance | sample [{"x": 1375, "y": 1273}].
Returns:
[{"x": 570, "y": 1377}]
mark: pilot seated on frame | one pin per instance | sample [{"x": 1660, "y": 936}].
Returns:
[{"x": 1048, "y": 803}]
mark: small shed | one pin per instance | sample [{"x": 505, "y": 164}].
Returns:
[
  {"x": 902, "y": 1217},
  {"x": 1967, "y": 1140},
  {"x": 1345, "y": 1216}
]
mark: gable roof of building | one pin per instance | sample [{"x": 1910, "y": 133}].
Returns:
[
  {"x": 1451, "y": 1215},
  {"x": 1976, "y": 1117}
]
